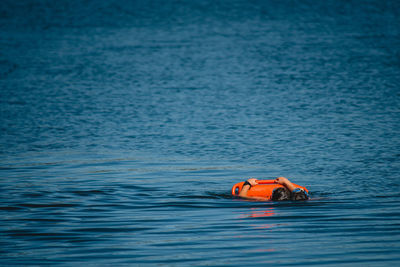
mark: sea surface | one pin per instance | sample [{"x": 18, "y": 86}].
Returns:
[{"x": 124, "y": 125}]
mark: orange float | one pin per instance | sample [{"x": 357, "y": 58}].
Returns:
[{"x": 264, "y": 188}]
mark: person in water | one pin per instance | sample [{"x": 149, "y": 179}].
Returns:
[{"x": 288, "y": 192}]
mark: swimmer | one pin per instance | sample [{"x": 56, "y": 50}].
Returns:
[{"x": 288, "y": 192}]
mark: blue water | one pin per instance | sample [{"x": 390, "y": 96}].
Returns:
[{"x": 124, "y": 124}]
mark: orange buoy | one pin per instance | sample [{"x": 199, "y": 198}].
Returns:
[{"x": 264, "y": 188}]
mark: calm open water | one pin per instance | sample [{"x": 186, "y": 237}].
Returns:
[{"x": 124, "y": 124}]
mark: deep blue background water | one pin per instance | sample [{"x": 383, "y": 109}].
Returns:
[{"x": 124, "y": 125}]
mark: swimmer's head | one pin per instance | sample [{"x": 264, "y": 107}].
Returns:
[
  {"x": 280, "y": 193},
  {"x": 299, "y": 194}
]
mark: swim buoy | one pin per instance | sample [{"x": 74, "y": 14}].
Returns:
[{"x": 264, "y": 188}]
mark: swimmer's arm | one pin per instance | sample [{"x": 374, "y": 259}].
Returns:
[
  {"x": 286, "y": 183},
  {"x": 245, "y": 189},
  {"x": 257, "y": 198}
]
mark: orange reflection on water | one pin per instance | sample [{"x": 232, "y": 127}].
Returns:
[
  {"x": 266, "y": 213},
  {"x": 257, "y": 213}
]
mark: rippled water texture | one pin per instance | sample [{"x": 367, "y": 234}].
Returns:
[{"x": 124, "y": 124}]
